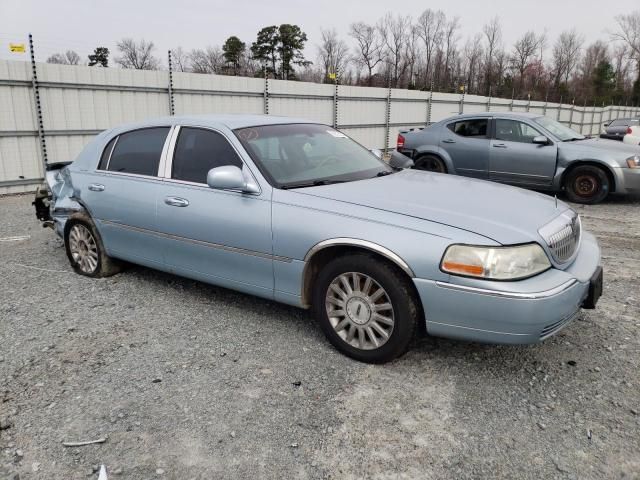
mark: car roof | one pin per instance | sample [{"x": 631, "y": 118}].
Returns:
[
  {"x": 494, "y": 114},
  {"x": 231, "y": 121}
]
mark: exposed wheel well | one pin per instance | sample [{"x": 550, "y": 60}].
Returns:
[
  {"x": 320, "y": 258},
  {"x": 602, "y": 167}
]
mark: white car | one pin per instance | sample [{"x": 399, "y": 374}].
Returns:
[{"x": 633, "y": 135}]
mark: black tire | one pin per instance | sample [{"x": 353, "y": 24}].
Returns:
[
  {"x": 587, "y": 184},
  {"x": 102, "y": 265},
  {"x": 398, "y": 292},
  {"x": 430, "y": 163}
]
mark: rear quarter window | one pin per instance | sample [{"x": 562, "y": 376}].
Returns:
[
  {"x": 138, "y": 152},
  {"x": 474, "y": 127}
]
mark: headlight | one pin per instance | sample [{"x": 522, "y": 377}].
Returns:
[
  {"x": 633, "y": 162},
  {"x": 495, "y": 263}
]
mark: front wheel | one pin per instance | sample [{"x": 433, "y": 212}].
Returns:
[
  {"x": 366, "y": 308},
  {"x": 587, "y": 184}
]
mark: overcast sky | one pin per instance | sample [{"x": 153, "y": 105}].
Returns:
[{"x": 81, "y": 25}]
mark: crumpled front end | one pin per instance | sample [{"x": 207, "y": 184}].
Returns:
[{"x": 54, "y": 201}]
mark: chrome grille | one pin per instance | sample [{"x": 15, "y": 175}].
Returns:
[{"x": 563, "y": 236}]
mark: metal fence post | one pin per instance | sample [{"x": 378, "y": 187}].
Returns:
[
  {"x": 513, "y": 92},
  {"x": 528, "y": 102},
  {"x": 335, "y": 103},
  {"x": 461, "y": 107},
  {"x": 593, "y": 117},
  {"x": 171, "y": 102},
  {"x": 266, "y": 91},
  {"x": 36, "y": 96},
  {"x": 546, "y": 102},
  {"x": 489, "y": 100},
  {"x": 573, "y": 108},
  {"x": 430, "y": 101},
  {"x": 387, "y": 121},
  {"x": 559, "y": 109},
  {"x": 584, "y": 113}
]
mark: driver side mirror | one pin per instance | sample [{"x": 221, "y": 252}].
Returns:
[
  {"x": 540, "y": 140},
  {"x": 606, "y": 124},
  {"x": 230, "y": 177}
]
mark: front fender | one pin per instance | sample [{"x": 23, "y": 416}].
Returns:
[{"x": 564, "y": 165}]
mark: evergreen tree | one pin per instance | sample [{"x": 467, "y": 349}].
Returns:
[
  {"x": 233, "y": 50},
  {"x": 100, "y": 57}
]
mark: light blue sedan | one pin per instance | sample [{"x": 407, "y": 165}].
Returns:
[{"x": 297, "y": 212}]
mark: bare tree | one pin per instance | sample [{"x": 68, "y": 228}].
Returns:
[
  {"x": 430, "y": 27},
  {"x": 209, "y": 60},
  {"x": 333, "y": 53},
  {"x": 566, "y": 54},
  {"x": 368, "y": 52},
  {"x": 524, "y": 51},
  {"x": 621, "y": 65},
  {"x": 68, "y": 58},
  {"x": 629, "y": 33},
  {"x": 393, "y": 31},
  {"x": 493, "y": 36},
  {"x": 137, "y": 55},
  {"x": 472, "y": 57},
  {"x": 180, "y": 60},
  {"x": 450, "y": 41},
  {"x": 412, "y": 49}
]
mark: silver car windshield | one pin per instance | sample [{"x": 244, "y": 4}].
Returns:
[
  {"x": 301, "y": 155},
  {"x": 561, "y": 132}
]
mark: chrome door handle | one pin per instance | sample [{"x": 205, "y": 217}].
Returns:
[
  {"x": 499, "y": 145},
  {"x": 176, "y": 202},
  {"x": 96, "y": 187},
  {"x": 448, "y": 140}
]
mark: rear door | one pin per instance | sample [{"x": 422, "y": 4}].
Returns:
[
  {"x": 515, "y": 159},
  {"x": 467, "y": 143},
  {"x": 121, "y": 194}
]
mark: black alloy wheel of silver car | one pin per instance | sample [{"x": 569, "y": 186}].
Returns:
[
  {"x": 85, "y": 249},
  {"x": 430, "y": 163},
  {"x": 366, "y": 307},
  {"x": 587, "y": 184}
]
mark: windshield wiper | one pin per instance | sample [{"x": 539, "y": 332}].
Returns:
[
  {"x": 573, "y": 139},
  {"x": 384, "y": 173},
  {"x": 315, "y": 183}
]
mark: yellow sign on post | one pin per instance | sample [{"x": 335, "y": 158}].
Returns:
[
  {"x": 332, "y": 76},
  {"x": 16, "y": 47}
]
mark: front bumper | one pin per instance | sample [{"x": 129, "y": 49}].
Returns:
[{"x": 525, "y": 311}]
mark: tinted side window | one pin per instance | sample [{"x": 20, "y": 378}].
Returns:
[
  {"x": 514, "y": 131},
  {"x": 104, "y": 159},
  {"x": 470, "y": 128},
  {"x": 198, "y": 151},
  {"x": 139, "y": 151}
]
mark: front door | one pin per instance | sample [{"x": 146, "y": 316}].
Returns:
[
  {"x": 516, "y": 159},
  {"x": 218, "y": 236},
  {"x": 467, "y": 143}
]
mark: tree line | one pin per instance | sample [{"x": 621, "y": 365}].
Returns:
[{"x": 425, "y": 52}]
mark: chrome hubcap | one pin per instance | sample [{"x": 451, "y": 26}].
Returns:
[
  {"x": 83, "y": 248},
  {"x": 360, "y": 310}
]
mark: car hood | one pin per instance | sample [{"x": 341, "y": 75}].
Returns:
[
  {"x": 504, "y": 214},
  {"x": 597, "y": 147}
]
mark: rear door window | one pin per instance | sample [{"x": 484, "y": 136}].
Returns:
[
  {"x": 198, "y": 151},
  {"x": 473, "y": 127},
  {"x": 138, "y": 152}
]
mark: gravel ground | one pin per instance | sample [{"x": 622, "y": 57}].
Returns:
[{"x": 186, "y": 380}]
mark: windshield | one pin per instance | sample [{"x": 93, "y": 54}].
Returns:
[
  {"x": 308, "y": 154},
  {"x": 561, "y": 132}
]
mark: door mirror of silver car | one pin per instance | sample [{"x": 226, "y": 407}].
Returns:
[
  {"x": 231, "y": 177},
  {"x": 540, "y": 140},
  {"x": 400, "y": 161},
  {"x": 606, "y": 124}
]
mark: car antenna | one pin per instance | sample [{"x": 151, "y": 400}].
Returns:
[{"x": 556, "y": 197}]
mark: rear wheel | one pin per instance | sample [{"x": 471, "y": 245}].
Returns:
[
  {"x": 430, "y": 163},
  {"x": 587, "y": 184},
  {"x": 85, "y": 250},
  {"x": 365, "y": 307}
]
